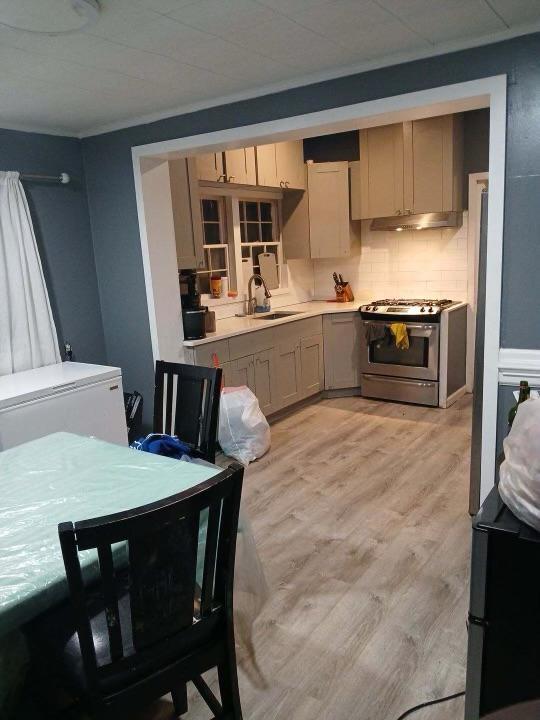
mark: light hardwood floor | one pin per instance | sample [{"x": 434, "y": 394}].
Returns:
[{"x": 360, "y": 515}]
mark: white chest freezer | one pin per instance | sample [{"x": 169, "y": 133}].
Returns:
[{"x": 74, "y": 397}]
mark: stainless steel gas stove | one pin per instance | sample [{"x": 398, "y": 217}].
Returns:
[{"x": 413, "y": 373}]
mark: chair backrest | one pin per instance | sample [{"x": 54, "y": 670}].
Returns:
[
  {"x": 174, "y": 559},
  {"x": 186, "y": 404}
]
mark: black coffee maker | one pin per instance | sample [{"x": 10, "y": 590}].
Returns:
[{"x": 193, "y": 313}]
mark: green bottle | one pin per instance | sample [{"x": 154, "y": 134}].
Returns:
[{"x": 524, "y": 394}]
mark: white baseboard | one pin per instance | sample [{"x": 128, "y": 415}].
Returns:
[
  {"x": 451, "y": 399},
  {"x": 516, "y": 364}
]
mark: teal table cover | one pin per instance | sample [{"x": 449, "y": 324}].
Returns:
[{"x": 64, "y": 477}]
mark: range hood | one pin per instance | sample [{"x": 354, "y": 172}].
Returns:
[{"x": 422, "y": 221}]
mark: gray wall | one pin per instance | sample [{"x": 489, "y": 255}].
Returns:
[
  {"x": 62, "y": 225},
  {"x": 112, "y": 198}
]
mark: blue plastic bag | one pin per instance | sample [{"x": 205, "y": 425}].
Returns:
[{"x": 160, "y": 444}]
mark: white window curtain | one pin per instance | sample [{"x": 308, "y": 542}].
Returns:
[{"x": 27, "y": 332}]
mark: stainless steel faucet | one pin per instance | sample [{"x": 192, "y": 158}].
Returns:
[{"x": 251, "y": 299}]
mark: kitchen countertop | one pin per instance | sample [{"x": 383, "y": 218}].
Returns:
[{"x": 232, "y": 326}]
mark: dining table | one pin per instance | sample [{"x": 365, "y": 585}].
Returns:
[{"x": 66, "y": 477}]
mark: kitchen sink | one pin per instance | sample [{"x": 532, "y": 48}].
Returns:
[{"x": 276, "y": 315}]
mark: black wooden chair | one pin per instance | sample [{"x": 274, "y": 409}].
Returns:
[
  {"x": 186, "y": 404},
  {"x": 149, "y": 624}
]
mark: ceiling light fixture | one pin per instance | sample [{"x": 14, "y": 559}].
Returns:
[{"x": 49, "y": 17}]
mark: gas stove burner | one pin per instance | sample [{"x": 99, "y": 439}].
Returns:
[{"x": 412, "y": 303}]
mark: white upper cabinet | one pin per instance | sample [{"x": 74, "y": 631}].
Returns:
[
  {"x": 407, "y": 168},
  {"x": 240, "y": 166},
  {"x": 433, "y": 151},
  {"x": 329, "y": 222},
  {"x": 266, "y": 166},
  {"x": 316, "y": 223},
  {"x": 377, "y": 179},
  {"x": 281, "y": 165},
  {"x": 290, "y": 164},
  {"x": 186, "y": 212},
  {"x": 210, "y": 167}
]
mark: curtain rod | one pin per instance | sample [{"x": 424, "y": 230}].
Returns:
[{"x": 63, "y": 178}]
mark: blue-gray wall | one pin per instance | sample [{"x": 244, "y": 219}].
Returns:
[
  {"x": 111, "y": 193},
  {"x": 62, "y": 225}
]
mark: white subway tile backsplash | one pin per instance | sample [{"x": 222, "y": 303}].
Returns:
[{"x": 427, "y": 263}]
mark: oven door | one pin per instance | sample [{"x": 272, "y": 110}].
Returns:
[{"x": 420, "y": 361}]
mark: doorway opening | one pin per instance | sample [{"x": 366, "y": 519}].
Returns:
[{"x": 159, "y": 262}]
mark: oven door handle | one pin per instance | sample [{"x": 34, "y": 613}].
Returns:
[{"x": 409, "y": 326}]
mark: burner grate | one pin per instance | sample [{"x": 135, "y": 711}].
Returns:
[{"x": 411, "y": 303}]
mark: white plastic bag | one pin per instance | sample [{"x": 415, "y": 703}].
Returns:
[
  {"x": 244, "y": 433},
  {"x": 519, "y": 485}
]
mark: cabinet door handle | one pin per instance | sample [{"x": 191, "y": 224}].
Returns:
[
  {"x": 281, "y": 184},
  {"x": 231, "y": 178},
  {"x": 398, "y": 212}
]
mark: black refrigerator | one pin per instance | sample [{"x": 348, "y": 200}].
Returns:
[{"x": 503, "y": 660}]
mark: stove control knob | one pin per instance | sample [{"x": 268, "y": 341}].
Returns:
[
  {"x": 374, "y": 308},
  {"x": 422, "y": 309},
  {"x": 430, "y": 309}
]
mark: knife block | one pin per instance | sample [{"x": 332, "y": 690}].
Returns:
[{"x": 344, "y": 293}]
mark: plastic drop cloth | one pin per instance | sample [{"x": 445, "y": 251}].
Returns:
[{"x": 67, "y": 477}]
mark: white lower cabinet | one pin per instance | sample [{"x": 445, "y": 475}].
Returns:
[
  {"x": 285, "y": 364},
  {"x": 342, "y": 350},
  {"x": 289, "y": 372},
  {"x": 242, "y": 372},
  {"x": 265, "y": 381},
  {"x": 312, "y": 360}
]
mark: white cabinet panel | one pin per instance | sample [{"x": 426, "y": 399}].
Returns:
[
  {"x": 377, "y": 179},
  {"x": 240, "y": 166},
  {"x": 242, "y": 372},
  {"x": 210, "y": 167},
  {"x": 330, "y": 229},
  {"x": 290, "y": 164},
  {"x": 342, "y": 349},
  {"x": 312, "y": 359},
  {"x": 186, "y": 213},
  {"x": 266, "y": 388},
  {"x": 289, "y": 372},
  {"x": 266, "y": 166}
]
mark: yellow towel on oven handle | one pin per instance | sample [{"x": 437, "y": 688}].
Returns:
[{"x": 399, "y": 331}]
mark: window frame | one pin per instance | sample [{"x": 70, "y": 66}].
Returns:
[
  {"x": 223, "y": 245},
  {"x": 230, "y": 232},
  {"x": 263, "y": 244}
]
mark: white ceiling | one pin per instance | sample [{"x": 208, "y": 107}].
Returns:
[{"x": 150, "y": 58}]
